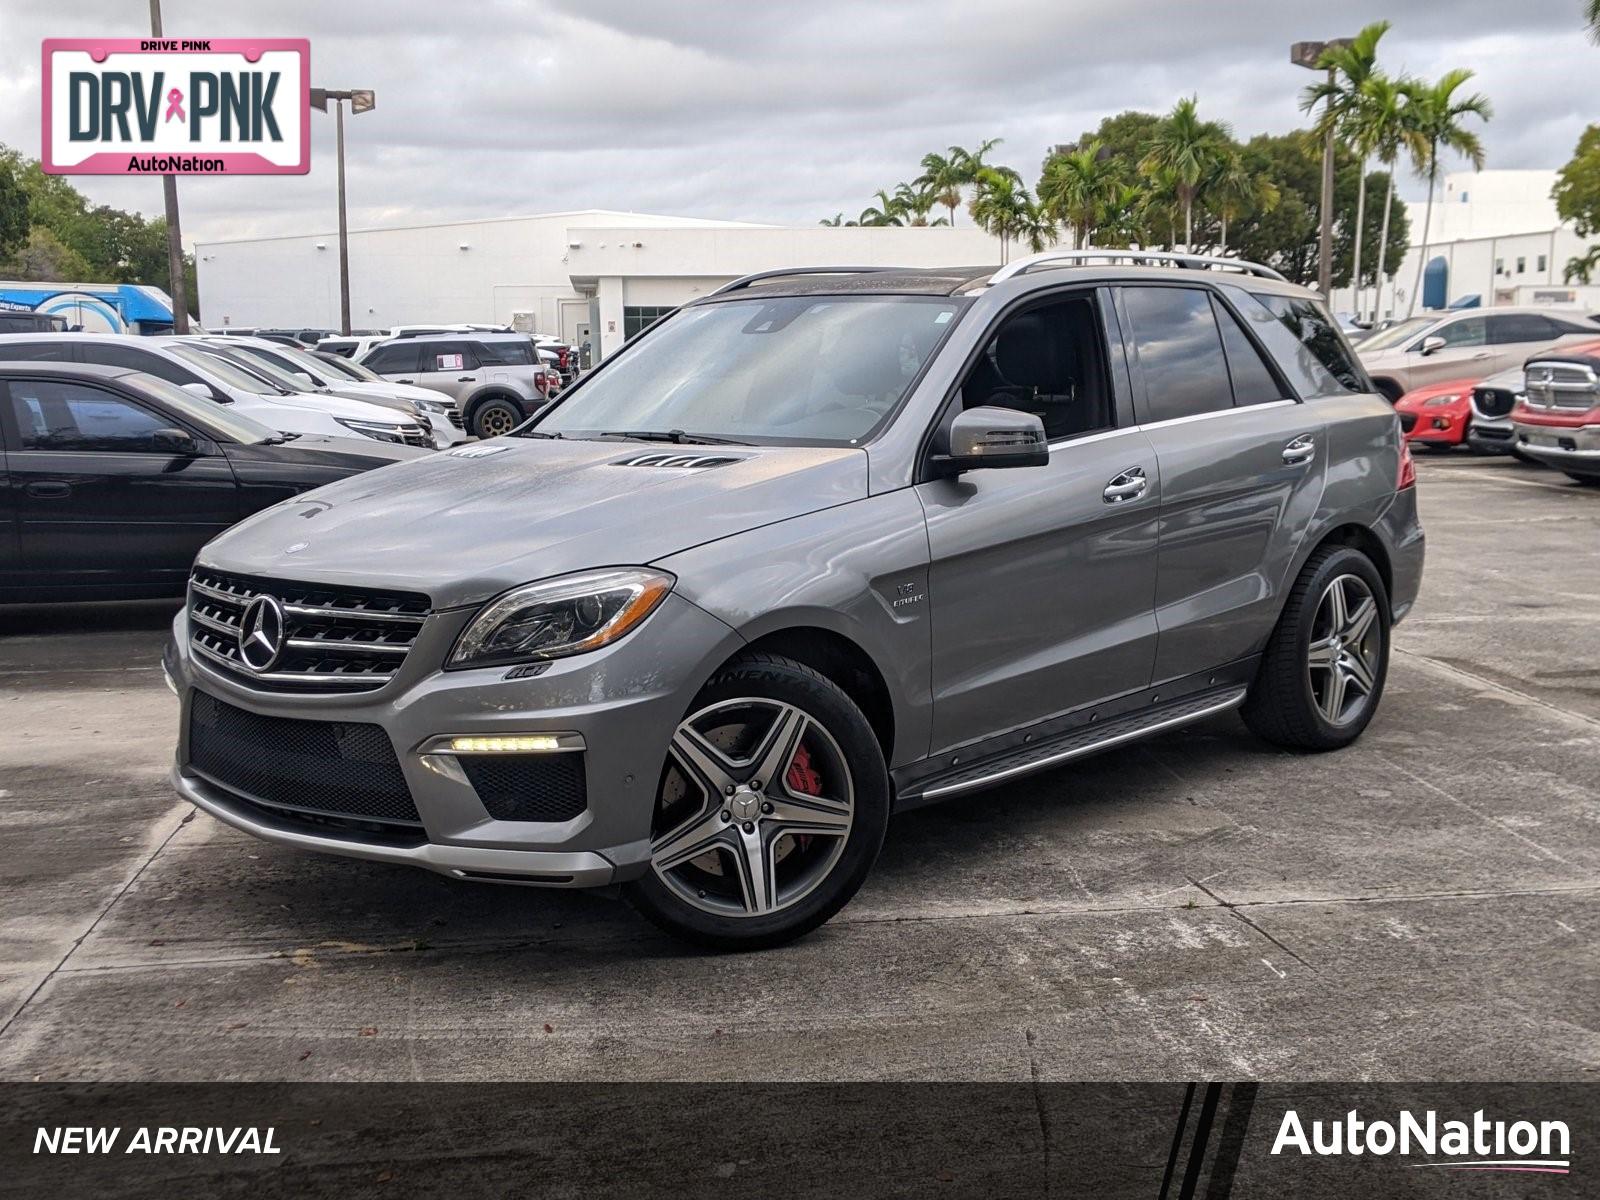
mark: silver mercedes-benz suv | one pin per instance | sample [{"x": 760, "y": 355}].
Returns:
[{"x": 817, "y": 548}]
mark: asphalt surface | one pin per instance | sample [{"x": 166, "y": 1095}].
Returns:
[{"x": 1419, "y": 906}]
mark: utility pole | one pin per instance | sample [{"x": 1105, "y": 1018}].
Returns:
[
  {"x": 1309, "y": 55},
  {"x": 361, "y": 100},
  {"x": 176, "y": 286}
]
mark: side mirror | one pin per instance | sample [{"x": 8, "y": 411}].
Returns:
[
  {"x": 993, "y": 437},
  {"x": 205, "y": 391},
  {"x": 176, "y": 441},
  {"x": 1432, "y": 344}
]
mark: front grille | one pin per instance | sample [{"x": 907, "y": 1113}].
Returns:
[
  {"x": 416, "y": 435},
  {"x": 528, "y": 787},
  {"x": 1494, "y": 402},
  {"x": 1562, "y": 385},
  {"x": 334, "y": 768},
  {"x": 333, "y": 638}
]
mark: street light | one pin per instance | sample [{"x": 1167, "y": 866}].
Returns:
[
  {"x": 361, "y": 100},
  {"x": 1309, "y": 55}
]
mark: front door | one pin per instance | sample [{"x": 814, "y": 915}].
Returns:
[
  {"x": 97, "y": 500},
  {"x": 1041, "y": 578}
]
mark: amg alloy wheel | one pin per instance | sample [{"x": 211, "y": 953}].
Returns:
[
  {"x": 771, "y": 806},
  {"x": 1322, "y": 673}
]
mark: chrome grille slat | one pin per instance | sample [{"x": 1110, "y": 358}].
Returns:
[
  {"x": 1562, "y": 385},
  {"x": 340, "y": 638}
]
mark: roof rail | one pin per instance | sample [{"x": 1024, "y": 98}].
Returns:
[
  {"x": 1022, "y": 266},
  {"x": 747, "y": 280}
]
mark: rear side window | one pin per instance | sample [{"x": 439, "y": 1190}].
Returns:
[
  {"x": 1303, "y": 341},
  {"x": 505, "y": 354},
  {"x": 449, "y": 356},
  {"x": 48, "y": 350},
  {"x": 1179, "y": 352},
  {"x": 113, "y": 354},
  {"x": 1253, "y": 380},
  {"x": 391, "y": 360},
  {"x": 1512, "y": 328}
]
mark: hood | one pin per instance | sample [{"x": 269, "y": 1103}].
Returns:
[
  {"x": 1585, "y": 354},
  {"x": 1418, "y": 396},
  {"x": 334, "y": 405},
  {"x": 366, "y": 389},
  {"x": 1511, "y": 380},
  {"x": 369, "y": 393},
  {"x": 343, "y": 453},
  {"x": 466, "y": 524}
]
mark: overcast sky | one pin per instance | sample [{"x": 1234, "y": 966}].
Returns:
[{"x": 775, "y": 111}]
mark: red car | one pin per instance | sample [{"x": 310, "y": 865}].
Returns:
[{"x": 1437, "y": 414}]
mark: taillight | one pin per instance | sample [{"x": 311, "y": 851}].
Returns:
[{"x": 1408, "y": 469}]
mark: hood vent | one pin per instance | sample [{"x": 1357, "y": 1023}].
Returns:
[{"x": 695, "y": 462}]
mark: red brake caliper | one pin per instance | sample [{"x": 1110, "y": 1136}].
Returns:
[{"x": 802, "y": 776}]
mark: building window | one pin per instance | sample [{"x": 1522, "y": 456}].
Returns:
[
  {"x": 1543, "y": 263},
  {"x": 1463, "y": 197},
  {"x": 1499, "y": 266},
  {"x": 636, "y": 318},
  {"x": 1522, "y": 266}
]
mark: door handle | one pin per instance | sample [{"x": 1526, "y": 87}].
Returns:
[
  {"x": 405, "y": 380},
  {"x": 467, "y": 379},
  {"x": 1128, "y": 485},
  {"x": 49, "y": 490},
  {"x": 1301, "y": 450}
]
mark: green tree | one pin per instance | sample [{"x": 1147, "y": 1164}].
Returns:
[
  {"x": 1004, "y": 208},
  {"x": 1581, "y": 268},
  {"x": 1386, "y": 127},
  {"x": 1577, "y": 190},
  {"x": 1185, "y": 151},
  {"x": 1343, "y": 99},
  {"x": 1076, "y": 186},
  {"x": 13, "y": 210},
  {"x": 1591, "y": 18},
  {"x": 943, "y": 176},
  {"x": 886, "y": 212},
  {"x": 1233, "y": 189},
  {"x": 42, "y": 258},
  {"x": 1437, "y": 119}
]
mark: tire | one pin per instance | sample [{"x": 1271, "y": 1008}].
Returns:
[
  {"x": 1290, "y": 700},
  {"x": 702, "y": 884},
  {"x": 495, "y": 416}
]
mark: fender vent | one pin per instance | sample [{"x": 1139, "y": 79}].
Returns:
[{"x": 694, "y": 462}]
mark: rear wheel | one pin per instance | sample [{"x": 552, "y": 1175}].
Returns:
[
  {"x": 1323, "y": 671},
  {"x": 770, "y": 811},
  {"x": 495, "y": 416}
]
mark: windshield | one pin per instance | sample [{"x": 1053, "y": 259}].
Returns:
[
  {"x": 290, "y": 361},
  {"x": 248, "y": 358},
  {"x": 219, "y": 366},
  {"x": 1396, "y": 334},
  {"x": 215, "y": 418},
  {"x": 804, "y": 369},
  {"x": 343, "y": 366}
]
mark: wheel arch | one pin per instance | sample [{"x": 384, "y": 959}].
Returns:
[
  {"x": 1358, "y": 537},
  {"x": 470, "y": 407}
]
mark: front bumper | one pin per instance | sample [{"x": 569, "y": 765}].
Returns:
[
  {"x": 1573, "y": 448},
  {"x": 624, "y": 702},
  {"x": 1494, "y": 434}
]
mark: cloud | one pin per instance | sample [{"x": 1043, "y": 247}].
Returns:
[{"x": 776, "y": 112}]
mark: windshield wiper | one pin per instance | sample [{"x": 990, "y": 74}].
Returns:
[{"x": 676, "y": 436}]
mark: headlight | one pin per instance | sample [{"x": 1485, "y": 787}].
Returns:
[
  {"x": 560, "y": 617},
  {"x": 373, "y": 429},
  {"x": 430, "y": 406},
  {"x": 1439, "y": 401}
]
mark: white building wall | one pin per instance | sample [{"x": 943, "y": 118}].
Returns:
[{"x": 1472, "y": 266}]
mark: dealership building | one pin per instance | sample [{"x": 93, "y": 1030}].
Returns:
[{"x": 594, "y": 276}]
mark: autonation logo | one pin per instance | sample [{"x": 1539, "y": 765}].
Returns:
[{"x": 1478, "y": 1144}]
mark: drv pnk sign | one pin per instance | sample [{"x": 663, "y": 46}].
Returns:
[{"x": 171, "y": 106}]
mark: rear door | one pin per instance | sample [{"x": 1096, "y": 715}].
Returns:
[
  {"x": 96, "y": 500},
  {"x": 449, "y": 367},
  {"x": 1241, "y": 467},
  {"x": 1466, "y": 354}
]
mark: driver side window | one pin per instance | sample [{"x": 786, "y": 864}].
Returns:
[
  {"x": 1467, "y": 332},
  {"x": 1050, "y": 361}
]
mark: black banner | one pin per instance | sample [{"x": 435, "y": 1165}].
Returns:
[{"x": 1161, "y": 1141}]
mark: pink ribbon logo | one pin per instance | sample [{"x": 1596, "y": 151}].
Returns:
[{"x": 175, "y": 105}]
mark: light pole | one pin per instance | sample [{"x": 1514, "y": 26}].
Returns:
[
  {"x": 361, "y": 100},
  {"x": 1309, "y": 55},
  {"x": 177, "y": 286}
]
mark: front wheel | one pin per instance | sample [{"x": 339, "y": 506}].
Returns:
[
  {"x": 770, "y": 811},
  {"x": 494, "y": 417},
  {"x": 1322, "y": 673}
]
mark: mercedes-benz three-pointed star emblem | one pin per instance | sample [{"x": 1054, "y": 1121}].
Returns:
[{"x": 261, "y": 630}]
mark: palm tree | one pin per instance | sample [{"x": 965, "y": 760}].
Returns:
[
  {"x": 835, "y": 221},
  {"x": 887, "y": 211},
  {"x": 914, "y": 202},
  {"x": 1343, "y": 97},
  {"x": 1437, "y": 114},
  {"x": 1591, "y": 17},
  {"x": 1581, "y": 268},
  {"x": 943, "y": 177},
  {"x": 1185, "y": 149},
  {"x": 1076, "y": 187},
  {"x": 1386, "y": 120},
  {"x": 1004, "y": 208},
  {"x": 1233, "y": 190}
]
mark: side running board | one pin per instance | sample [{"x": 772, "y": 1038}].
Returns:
[{"x": 1074, "y": 743}]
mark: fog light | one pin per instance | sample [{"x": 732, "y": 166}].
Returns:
[{"x": 527, "y": 743}]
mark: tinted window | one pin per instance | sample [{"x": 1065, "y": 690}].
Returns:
[
  {"x": 1469, "y": 331},
  {"x": 1253, "y": 381},
  {"x": 1521, "y": 327},
  {"x": 449, "y": 356},
  {"x": 52, "y": 350},
  {"x": 1179, "y": 352},
  {"x": 393, "y": 360},
  {"x": 509, "y": 354},
  {"x": 72, "y": 416},
  {"x": 1303, "y": 342},
  {"x": 115, "y": 354},
  {"x": 1048, "y": 361}
]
